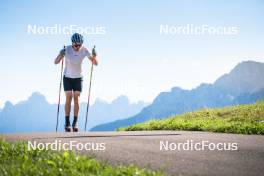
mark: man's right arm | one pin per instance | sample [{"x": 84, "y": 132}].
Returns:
[{"x": 60, "y": 56}]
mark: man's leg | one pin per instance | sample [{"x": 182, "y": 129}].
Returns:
[
  {"x": 68, "y": 110},
  {"x": 76, "y": 96}
]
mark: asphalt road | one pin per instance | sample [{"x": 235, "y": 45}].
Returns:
[{"x": 241, "y": 154}]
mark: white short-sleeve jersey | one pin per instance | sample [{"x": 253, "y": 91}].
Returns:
[{"x": 73, "y": 61}]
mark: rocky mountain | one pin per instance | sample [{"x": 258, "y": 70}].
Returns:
[
  {"x": 36, "y": 114},
  {"x": 246, "y": 77}
]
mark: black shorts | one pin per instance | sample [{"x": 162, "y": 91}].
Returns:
[{"x": 72, "y": 84}]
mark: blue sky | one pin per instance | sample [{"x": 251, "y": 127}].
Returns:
[{"x": 134, "y": 58}]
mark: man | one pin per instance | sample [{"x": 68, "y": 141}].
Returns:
[{"x": 72, "y": 80}]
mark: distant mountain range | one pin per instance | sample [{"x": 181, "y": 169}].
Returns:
[
  {"x": 244, "y": 84},
  {"x": 36, "y": 114}
]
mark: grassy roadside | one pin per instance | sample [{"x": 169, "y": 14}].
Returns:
[
  {"x": 240, "y": 119},
  {"x": 17, "y": 160}
]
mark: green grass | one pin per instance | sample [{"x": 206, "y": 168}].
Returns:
[
  {"x": 240, "y": 119},
  {"x": 17, "y": 160}
]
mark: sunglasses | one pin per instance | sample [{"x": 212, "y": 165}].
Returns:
[{"x": 77, "y": 45}]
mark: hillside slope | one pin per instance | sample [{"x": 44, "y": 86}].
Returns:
[{"x": 241, "y": 119}]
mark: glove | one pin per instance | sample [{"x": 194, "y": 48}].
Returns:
[
  {"x": 94, "y": 52},
  {"x": 62, "y": 52}
]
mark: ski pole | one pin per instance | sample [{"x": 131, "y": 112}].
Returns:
[
  {"x": 89, "y": 92},
  {"x": 58, "y": 109}
]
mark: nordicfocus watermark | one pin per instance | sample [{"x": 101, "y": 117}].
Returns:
[
  {"x": 191, "y": 145},
  {"x": 71, "y": 145},
  {"x": 191, "y": 29},
  {"x": 58, "y": 29}
]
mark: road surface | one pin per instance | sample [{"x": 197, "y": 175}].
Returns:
[{"x": 164, "y": 150}]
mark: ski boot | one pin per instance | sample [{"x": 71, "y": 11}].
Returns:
[
  {"x": 75, "y": 127},
  {"x": 68, "y": 127}
]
